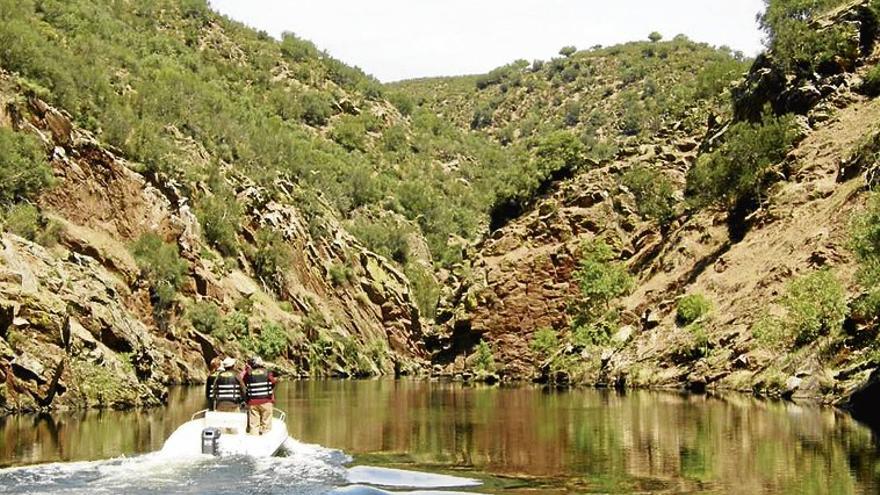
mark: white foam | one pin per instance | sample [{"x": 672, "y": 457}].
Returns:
[{"x": 405, "y": 479}]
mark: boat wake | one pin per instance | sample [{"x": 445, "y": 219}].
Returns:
[{"x": 304, "y": 469}]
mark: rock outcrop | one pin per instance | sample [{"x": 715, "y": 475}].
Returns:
[
  {"x": 77, "y": 325},
  {"x": 519, "y": 279}
]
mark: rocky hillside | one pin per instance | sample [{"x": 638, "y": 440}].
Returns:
[
  {"x": 766, "y": 295},
  {"x": 175, "y": 186},
  {"x": 162, "y": 210},
  {"x": 590, "y": 106},
  {"x": 82, "y": 325}
]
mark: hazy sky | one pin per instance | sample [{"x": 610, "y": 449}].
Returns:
[{"x": 401, "y": 39}]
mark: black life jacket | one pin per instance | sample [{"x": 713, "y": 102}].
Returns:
[
  {"x": 227, "y": 387},
  {"x": 209, "y": 385},
  {"x": 258, "y": 384}
]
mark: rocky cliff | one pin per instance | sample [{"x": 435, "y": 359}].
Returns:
[
  {"x": 520, "y": 279},
  {"x": 80, "y": 326}
]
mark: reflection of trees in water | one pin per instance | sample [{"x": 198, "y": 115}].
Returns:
[
  {"x": 592, "y": 440},
  {"x": 637, "y": 440}
]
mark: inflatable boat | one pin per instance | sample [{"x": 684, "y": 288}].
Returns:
[{"x": 225, "y": 433}]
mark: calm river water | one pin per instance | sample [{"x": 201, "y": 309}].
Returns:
[{"x": 513, "y": 440}]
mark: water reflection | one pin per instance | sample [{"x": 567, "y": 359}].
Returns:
[{"x": 520, "y": 438}]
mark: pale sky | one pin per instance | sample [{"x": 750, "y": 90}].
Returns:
[{"x": 403, "y": 39}]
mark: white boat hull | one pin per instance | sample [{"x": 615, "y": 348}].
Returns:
[{"x": 233, "y": 439}]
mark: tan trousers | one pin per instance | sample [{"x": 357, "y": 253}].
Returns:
[
  {"x": 227, "y": 407},
  {"x": 260, "y": 419}
]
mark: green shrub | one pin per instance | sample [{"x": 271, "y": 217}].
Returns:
[
  {"x": 484, "y": 361},
  {"x": 483, "y": 116},
  {"x": 691, "y": 308},
  {"x": 871, "y": 84},
  {"x": 24, "y": 171},
  {"x": 426, "y": 290},
  {"x": 403, "y": 102},
  {"x": 654, "y": 193},
  {"x": 316, "y": 108},
  {"x": 341, "y": 274},
  {"x": 545, "y": 343},
  {"x": 394, "y": 139},
  {"x": 271, "y": 259},
  {"x": 220, "y": 217},
  {"x": 205, "y": 317},
  {"x": 601, "y": 280},
  {"x": 739, "y": 170},
  {"x": 23, "y": 220},
  {"x": 598, "y": 332},
  {"x": 383, "y": 236},
  {"x": 297, "y": 49},
  {"x": 161, "y": 266},
  {"x": 350, "y": 133},
  {"x": 272, "y": 341},
  {"x": 865, "y": 244},
  {"x": 694, "y": 344},
  {"x": 815, "y": 305},
  {"x": 714, "y": 79},
  {"x": 235, "y": 325}
]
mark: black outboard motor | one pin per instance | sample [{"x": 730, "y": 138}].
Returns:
[{"x": 211, "y": 441}]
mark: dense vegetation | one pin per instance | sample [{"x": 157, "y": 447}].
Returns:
[
  {"x": 564, "y": 116},
  {"x": 149, "y": 76},
  {"x": 738, "y": 172},
  {"x": 797, "y": 42}
]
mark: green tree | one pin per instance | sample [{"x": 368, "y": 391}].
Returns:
[
  {"x": 567, "y": 51},
  {"x": 24, "y": 171},
  {"x": 655, "y": 37},
  {"x": 795, "y": 41},
  {"x": 739, "y": 171},
  {"x": 601, "y": 279}
]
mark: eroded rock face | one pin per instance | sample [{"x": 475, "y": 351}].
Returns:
[
  {"x": 519, "y": 279},
  {"x": 70, "y": 320},
  {"x": 77, "y": 326}
]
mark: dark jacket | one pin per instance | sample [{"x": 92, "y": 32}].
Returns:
[
  {"x": 229, "y": 388},
  {"x": 260, "y": 385}
]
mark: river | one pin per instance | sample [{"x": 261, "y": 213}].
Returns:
[{"x": 352, "y": 435}]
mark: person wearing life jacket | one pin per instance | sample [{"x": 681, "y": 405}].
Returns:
[
  {"x": 260, "y": 384},
  {"x": 229, "y": 390},
  {"x": 213, "y": 371}
]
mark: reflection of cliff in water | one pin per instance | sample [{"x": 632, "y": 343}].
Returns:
[
  {"x": 94, "y": 434},
  {"x": 578, "y": 441}
]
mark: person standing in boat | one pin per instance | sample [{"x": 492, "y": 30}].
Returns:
[
  {"x": 229, "y": 389},
  {"x": 213, "y": 371},
  {"x": 260, "y": 384}
]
